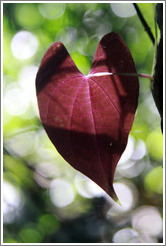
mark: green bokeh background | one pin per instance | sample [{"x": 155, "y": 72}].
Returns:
[{"x": 31, "y": 163}]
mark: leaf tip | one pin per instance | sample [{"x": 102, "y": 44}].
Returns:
[
  {"x": 115, "y": 198},
  {"x": 113, "y": 195}
]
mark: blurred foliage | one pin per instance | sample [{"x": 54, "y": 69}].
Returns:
[{"x": 46, "y": 200}]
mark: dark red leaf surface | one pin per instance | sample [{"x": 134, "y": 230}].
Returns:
[{"x": 88, "y": 118}]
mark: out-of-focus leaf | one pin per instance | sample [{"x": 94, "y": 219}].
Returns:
[
  {"x": 88, "y": 118},
  {"x": 20, "y": 170},
  {"x": 48, "y": 223},
  {"x": 154, "y": 180},
  {"x": 31, "y": 234},
  {"x": 155, "y": 145}
]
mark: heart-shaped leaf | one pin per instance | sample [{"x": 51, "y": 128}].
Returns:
[{"x": 88, "y": 118}]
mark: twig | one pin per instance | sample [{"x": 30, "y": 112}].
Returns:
[
  {"x": 30, "y": 167},
  {"x": 147, "y": 28}
]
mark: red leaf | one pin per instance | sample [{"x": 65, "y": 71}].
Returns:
[{"x": 88, "y": 118}]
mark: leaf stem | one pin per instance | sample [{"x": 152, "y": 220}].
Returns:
[
  {"x": 124, "y": 74},
  {"x": 144, "y": 23}
]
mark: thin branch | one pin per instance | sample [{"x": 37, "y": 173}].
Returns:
[
  {"x": 144, "y": 23},
  {"x": 30, "y": 167}
]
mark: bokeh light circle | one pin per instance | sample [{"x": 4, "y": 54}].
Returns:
[
  {"x": 27, "y": 78},
  {"x": 86, "y": 187},
  {"x": 140, "y": 150},
  {"x": 155, "y": 145},
  {"x": 27, "y": 15},
  {"x": 61, "y": 193},
  {"x": 11, "y": 202},
  {"x": 23, "y": 143},
  {"x": 68, "y": 35},
  {"x": 154, "y": 180},
  {"x": 125, "y": 235},
  {"x": 16, "y": 101},
  {"x": 24, "y": 45},
  {"x": 147, "y": 219},
  {"x": 127, "y": 194},
  {"x": 123, "y": 10},
  {"x": 52, "y": 10},
  {"x": 128, "y": 151}
]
